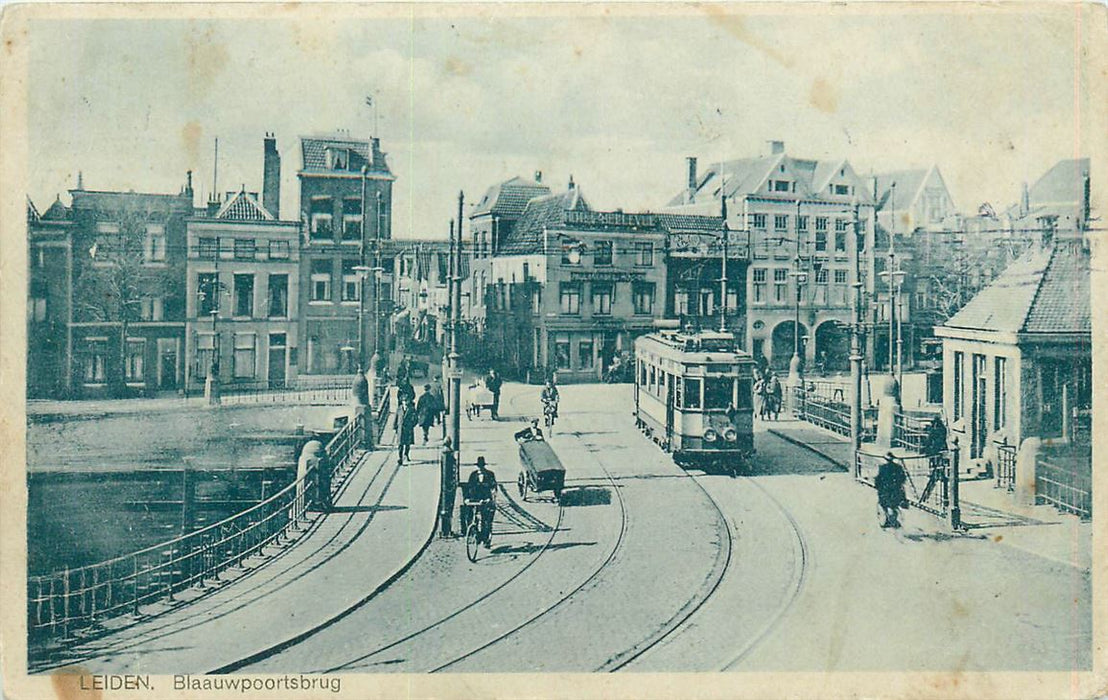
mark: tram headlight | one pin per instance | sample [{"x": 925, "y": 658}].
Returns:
[
  {"x": 710, "y": 435},
  {"x": 730, "y": 435}
]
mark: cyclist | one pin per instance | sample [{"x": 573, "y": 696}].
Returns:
[
  {"x": 480, "y": 492},
  {"x": 890, "y": 490},
  {"x": 550, "y": 401}
]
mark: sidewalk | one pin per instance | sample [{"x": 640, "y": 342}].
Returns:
[
  {"x": 383, "y": 519},
  {"x": 987, "y": 511}
]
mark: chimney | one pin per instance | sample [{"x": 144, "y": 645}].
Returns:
[
  {"x": 213, "y": 205},
  {"x": 690, "y": 191},
  {"x": 538, "y": 176},
  {"x": 572, "y": 184},
  {"x": 775, "y": 147},
  {"x": 188, "y": 185},
  {"x": 271, "y": 177},
  {"x": 1025, "y": 201}
]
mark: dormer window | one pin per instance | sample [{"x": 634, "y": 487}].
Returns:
[
  {"x": 338, "y": 158},
  {"x": 840, "y": 189}
]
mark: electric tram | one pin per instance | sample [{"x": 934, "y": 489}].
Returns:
[{"x": 694, "y": 397}]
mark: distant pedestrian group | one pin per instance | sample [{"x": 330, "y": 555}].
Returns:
[{"x": 767, "y": 387}]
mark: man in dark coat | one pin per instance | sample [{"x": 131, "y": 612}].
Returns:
[
  {"x": 427, "y": 409},
  {"x": 404, "y": 391},
  {"x": 890, "y": 489},
  {"x": 481, "y": 486},
  {"x": 405, "y": 424},
  {"x": 493, "y": 383}
]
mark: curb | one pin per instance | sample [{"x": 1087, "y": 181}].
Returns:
[
  {"x": 813, "y": 450},
  {"x": 296, "y": 639}
]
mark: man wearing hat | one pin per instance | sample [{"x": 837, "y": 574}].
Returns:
[
  {"x": 890, "y": 490},
  {"x": 481, "y": 486}
]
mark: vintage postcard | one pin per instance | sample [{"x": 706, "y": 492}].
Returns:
[{"x": 553, "y": 350}]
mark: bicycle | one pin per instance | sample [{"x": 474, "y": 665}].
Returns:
[
  {"x": 476, "y": 525},
  {"x": 549, "y": 413}
]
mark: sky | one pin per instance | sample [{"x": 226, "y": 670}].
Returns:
[{"x": 616, "y": 100}]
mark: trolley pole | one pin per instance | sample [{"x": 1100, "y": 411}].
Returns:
[
  {"x": 723, "y": 268},
  {"x": 856, "y": 352}
]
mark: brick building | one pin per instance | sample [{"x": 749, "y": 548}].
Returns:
[{"x": 346, "y": 207}]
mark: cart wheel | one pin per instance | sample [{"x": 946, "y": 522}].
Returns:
[
  {"x": 558, "y": 496},
  {"x": 472, "y": 546},
  {"x": 521, "y": 482}
]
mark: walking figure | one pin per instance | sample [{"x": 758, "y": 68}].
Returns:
[
  {"x": 493, "y": 383},
  {"x": 890, "y": 490},
  {"x": 405, "y": 424},
  {"x": 427, "y": 410}
]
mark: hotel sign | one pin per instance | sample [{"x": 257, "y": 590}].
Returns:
[
  {"x": 706, "y": 245},
  {"x": 610, "y": 219},
  {"x": 606, "y": 276}
]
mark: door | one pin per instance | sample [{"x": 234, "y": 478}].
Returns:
[
  {"x": 669, "y": 407},
  {"x": 277, "y": 356},
  {"x": 167, "y": 364}
]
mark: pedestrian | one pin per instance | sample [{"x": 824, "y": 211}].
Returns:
[
  {"x": 774, "y": 390},
  {"x": 436, "y": 391},
  {"x": 493, "y": 384},
  {"x": 449, "y": 473},
  {"x": 427, "y": 408},
  {"x": 481, "y": 489},
  {"x": 935, "y": 442},
  {"x": 890, "y": 490},
  {"x": 404, "y": 390},
  {"x": 405, "y": 424}
]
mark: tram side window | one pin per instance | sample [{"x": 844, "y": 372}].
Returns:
[
  {"x": 678, "y": 394},
  {"x": 692, "y": 393},
  {"x": 642, "y": 374},
  {"x": 717, "y": 392},
  {"x": 746, "y": 399},
  {"x": 653, "y": 379}
]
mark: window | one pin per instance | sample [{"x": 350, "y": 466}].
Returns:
[
  {"x": 244, "y": 356},
  {"x": 351, "y": 219},
  {"x": 155, "y": 243},
  {"x": 321, "y": 280},
  {"x": 780, "y": 185},
  {"x": 821, "y": 241},
  {"x": 780, "y": 222},
  {"x": 278, "y": 250},
  {"x": 36, "y": 308},
  {"x": 205, "y": 352},
  {"x": 802, "y": 223},
  {"x": 602, "y": 253},
  {"x": 208, "y": 247},
  {"x": 717, "y": 392},
  {"x": 570, "y": 296},
  {"x": 561, "y": 351},
  {"x": 134, "y": 355},
  {"x": 692, "y": 393},
  {"x": 278, "y": 296},
  {"x": 244, "y": 295},
  {"x": 244, "y": 249},
  {"x": 584, "y": 354},
  {"x": 643, "y": 297},
  {"x": 602, "y": 298},
  {"x": 860, "y": 240},
  {"x": 1000, "y": 392},
  {"x": 821, "y": 223},
  {"x": 842, "y": 189},
  {"x": 862, "y": 225},
  {"x": 152, "y": 308},
  {"x": 821, "y": 275},
  {"x": 95, "y": 361},
  {"x": 681, "y": 302},
  {"x": 337, "y": 158},
  {"x": 319, "y": 217},
  {"x": 760, "y": 221},
  {"x": 351, "y": 281},
  {"x": 536, "y": 300},
  {"x": 207, "y": 293},
  {"x": 840, "y": 276},
  {"x": 840, "y": 225},
  {"x": 780, "y": 285},
  {"x": 840, "y": 241},
  {"x": 569, "y": 248},
  {"x": 959, "y": 358},
  {"x": 644, "y": 254},
  {"x": 759, "y": 285}
]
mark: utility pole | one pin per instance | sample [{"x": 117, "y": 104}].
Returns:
[
  {"x": 856, "y": 350},
  {"x": 455, "y": 317}
]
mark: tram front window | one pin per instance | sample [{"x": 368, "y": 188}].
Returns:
[{"x": 717, "y": 392}]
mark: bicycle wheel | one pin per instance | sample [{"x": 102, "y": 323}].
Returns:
[{"x": 472, "y": 546}]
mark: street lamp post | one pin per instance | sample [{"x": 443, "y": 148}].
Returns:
[
  {"x": 856, "y": 347},
  {"x": 895, "y": 277},
  {"x": 796, "y": 371}
]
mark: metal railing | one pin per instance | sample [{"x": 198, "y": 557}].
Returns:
[
  {"x": 910, "y": 432},
  {"x": 822, "y": 404},
  {"x": 1068, "y": 486},
  {"x": 331, "y": 393},
  {"x": 1005, "y": 466},
  {"x": 64, "y": 603},
  {"x": 928, "y": 486}
]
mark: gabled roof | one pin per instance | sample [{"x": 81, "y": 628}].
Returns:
[
  {"x": 243, "y": 206},
  {"x": 749, "y": 175},
  {"x": 822, "y": 174},
  {"x": 509, "y": 198},
  {"x": 1045, "y": 291},
  {"x": 1063, "y": 184},
  {"x": 909, "y": 183},
  {"x": 541, "y": 213},
  {"x": 32, "y": 211}
]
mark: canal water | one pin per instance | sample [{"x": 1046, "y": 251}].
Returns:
[{"x": 104, "y": 486}]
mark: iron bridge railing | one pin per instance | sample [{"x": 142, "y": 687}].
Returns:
[
  {"x": 72, "y": 602},
  {"x": 928, "y": 487},
  {"x": 1005, "y": 466},
  {"x": 824, "y": 404},
  {"x": 1068, "y": 486}
]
